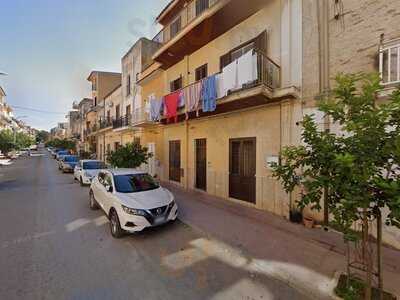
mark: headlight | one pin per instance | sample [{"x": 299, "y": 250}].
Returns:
[{"x": 132, "y": 211}]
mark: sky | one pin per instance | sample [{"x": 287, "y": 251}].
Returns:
[{"x": 49, "y": 47}]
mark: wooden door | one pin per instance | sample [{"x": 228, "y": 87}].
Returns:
[
  {"x": 175, "y": 161},
  {"x": 201, "y": 164},
  {"x": 242, "y": 169}
]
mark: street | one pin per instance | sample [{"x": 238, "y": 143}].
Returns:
[{"x": 54, "y": 247}]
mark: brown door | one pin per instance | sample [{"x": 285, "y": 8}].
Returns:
[
  {"x": 201, "y": 164},
  {"x": 175, "y": 161},
  {"x": 242, "y": 169}
]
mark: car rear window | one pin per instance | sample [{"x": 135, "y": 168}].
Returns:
[
  {"x": 71, "y": 159},
  {"x": 134, "y": 183},
  {"x": 93, "y": 165}
]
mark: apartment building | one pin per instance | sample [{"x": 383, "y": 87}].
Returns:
[
  {"x": 251, "y": 58},
  {"x": 348, "y": 37},
  {"x": 102, "y": 84},
  {"x": 6, "y": 112},
  {"x": 82, "y": 108}
]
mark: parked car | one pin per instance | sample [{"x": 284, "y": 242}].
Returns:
[
  {"x": 55, "y": 151},
  {"x": 86, "y": 170},
  {"x": 68, "y": 163},
  {"x": 132, "y": 200},
  {"x": 33, "y": 147},
  {"x": 61, "y": 154}
]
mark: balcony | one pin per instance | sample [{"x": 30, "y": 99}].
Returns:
[
  {"x": 197, "y": 24},
  {"x": 389, "y": 62},
  {"x": 141, "y": 118},
  {"x": 266, "y": 88},
  {"x": 104, "y": 124},
  {"x": 122, "y": 122}
]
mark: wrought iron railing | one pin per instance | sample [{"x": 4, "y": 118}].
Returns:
[
  {"x": 122, "y": 121},
  {"x": 192, "y": 11},
  {"x": 106, "y": 123},
  {"x": 389, "y": 62}
]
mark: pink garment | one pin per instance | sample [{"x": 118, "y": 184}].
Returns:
[
  {"x": 192, "y": 94},
  {"x": 171, "y": 106}
]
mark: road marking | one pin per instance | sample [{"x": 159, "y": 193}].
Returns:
[
  {"x": 25, "y": 239},
  {"x": 74, "y": 225}
]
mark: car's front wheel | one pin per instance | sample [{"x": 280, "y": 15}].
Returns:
[
  {"x": 116, "y": 230},
  {"x": 92, "y": 201}
]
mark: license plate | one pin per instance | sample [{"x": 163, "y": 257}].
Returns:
[{"x": 159, "y": 220}]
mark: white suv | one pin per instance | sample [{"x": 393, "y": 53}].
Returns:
[{"x": 132, "y": 200}]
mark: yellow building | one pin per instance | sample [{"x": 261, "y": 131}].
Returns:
[
  {"x": 226, "y": 151},
  {"x": 103, "y": 83}
]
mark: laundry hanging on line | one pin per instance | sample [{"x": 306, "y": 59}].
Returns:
[{"x": 171, "y": 106}]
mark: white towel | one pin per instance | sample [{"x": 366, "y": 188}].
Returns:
[
  {"x": 220, "y": 86},
  {"x": 246, "y": 73},
  {"x": 230, "y": 77}
]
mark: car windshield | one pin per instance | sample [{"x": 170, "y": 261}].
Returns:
[
  {"x": 134, "y": 183},
  {"x": 71, "y": 159},
  {"x": 63, "y": 153},
  {"x": 93, "y": 165}
]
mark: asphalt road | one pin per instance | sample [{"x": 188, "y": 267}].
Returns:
[{"x": 52, "y": 246}]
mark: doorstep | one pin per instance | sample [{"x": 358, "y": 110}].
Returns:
[{"x": 273, "y": 238}]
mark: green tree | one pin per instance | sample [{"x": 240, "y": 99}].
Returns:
[
  {"x": 42, "y": 136},
  {"x": 131, "y": 155},
  {"x": 23, "y": 140},
  {"x": 357, "y": 170},
  {"x": 6, "y": 141}
]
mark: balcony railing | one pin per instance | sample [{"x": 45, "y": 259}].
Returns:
[
  {"x": 105, "y": 123},
  {"x": 140, "y": 115},
  {"x": 389, "y": 62},
  {"x": 121, "y": 122},
  {"x": 192, "y": 11}
]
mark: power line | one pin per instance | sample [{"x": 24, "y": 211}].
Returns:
[{"x": 38, "y": 110}]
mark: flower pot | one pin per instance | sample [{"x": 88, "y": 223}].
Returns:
[{"x": 308, "y": 222}]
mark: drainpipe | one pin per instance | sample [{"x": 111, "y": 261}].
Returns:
[
  {"x": 187, "y": 79},
  {"x": 324, "y": 73}
]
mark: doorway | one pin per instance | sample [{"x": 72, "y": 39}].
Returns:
[
  {"x": 242, "y": 169},
  {"x": 201, "y": 164},
  {"x": 175, "y": 161}
]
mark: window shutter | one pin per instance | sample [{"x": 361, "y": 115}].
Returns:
[
  {"x": 225, "y": 60},
  {"x": 261, "y": 42}
]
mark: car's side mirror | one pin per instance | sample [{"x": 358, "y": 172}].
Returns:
[{"x": 109, "y": 188}]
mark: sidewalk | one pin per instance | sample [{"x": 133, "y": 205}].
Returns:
[{"x": 306, "y": 259}]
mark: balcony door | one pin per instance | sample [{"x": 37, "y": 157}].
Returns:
[
  {"x": 201, "y": 6},
  {"x": 242, "y": 169},
  {"x": 175, "y": 161},
  {"x": 201, "y": 164}
]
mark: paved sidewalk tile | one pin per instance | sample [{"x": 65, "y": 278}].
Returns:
[{"x": 308, "y": 259}]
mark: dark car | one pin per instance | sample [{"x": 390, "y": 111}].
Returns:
[{"x": 68, "y": 163}]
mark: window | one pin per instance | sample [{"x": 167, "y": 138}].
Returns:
[
  {"x": 93, "y": 165},
  {"x": 107, "y": 180},
  {"x": 176, "y": 84},
  {"x": 259, "y": 43},
  {"x": 201, "y": 5},
  {"x": 128, "y": 110},
  {"x": 134, "y": 183},
  {"x": 136, "y": 140},
  {"x": 201, "y": 72},
  {"x": 95, "y": 101},
  {"x": 117, "y": 145},
  {"x": 235, "y": 54},
  {"x": 175, "y": 27},
  {"x": 108, "y": 148},
  {"x": 128, "y": 85},
  {"x": 108, "y": 116},
  {"x": 117, "y": 112}
]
